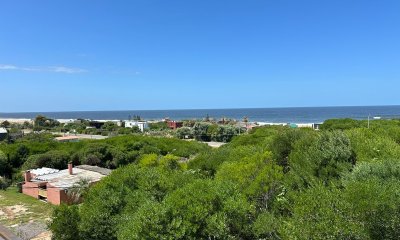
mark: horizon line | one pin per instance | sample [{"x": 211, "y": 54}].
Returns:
[{"x": 186, "y": 109}]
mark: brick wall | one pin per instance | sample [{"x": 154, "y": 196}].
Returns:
[
  {"x": 31, "y": 189},
  {"x": 53, "y": 195}
]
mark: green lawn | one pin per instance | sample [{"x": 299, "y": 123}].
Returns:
[{"x": 17, "y": 208}]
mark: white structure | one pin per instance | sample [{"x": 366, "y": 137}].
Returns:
[
  {"x": 3, "y": 133},
  {"x": 142, "y": 125},
  {"x": 3, "y": 130}
]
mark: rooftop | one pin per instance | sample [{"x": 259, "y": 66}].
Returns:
[
  {"x": 43, "y": 171},
  {"x": 104, "y": 171},
  {"x": 66, "y": 138},
  {"x": 62, "y": 179}
]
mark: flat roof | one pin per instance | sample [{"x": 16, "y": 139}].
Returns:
[
  {"x": 66, "y": 138},
  {"x": 43, "y": 171},
  {"x": 104, "y": 171},
  {"x": 62, "y": 179}
]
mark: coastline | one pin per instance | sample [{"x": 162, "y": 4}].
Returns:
[
  {"x": 65, "y": 121},
  {"x": 260, "y": 115}
]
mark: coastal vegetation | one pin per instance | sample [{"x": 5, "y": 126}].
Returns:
[
  {"x": 274, "y": 182},
  {"x": 40, "y": 150}
]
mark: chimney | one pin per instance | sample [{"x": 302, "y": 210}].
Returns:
[
  {"x": 70, "y": 168},
  {"x": 27, "y": 176}
]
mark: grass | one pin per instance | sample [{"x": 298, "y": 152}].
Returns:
[{"x": 18, "y": 208}]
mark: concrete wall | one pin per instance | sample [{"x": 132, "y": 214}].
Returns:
[{"x": 141, "y": 125}]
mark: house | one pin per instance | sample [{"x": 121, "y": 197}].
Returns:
[
  {"x": 53, "y": 185},
  {"x": 3, "y": 133},
  {"x": 174, "y": 124},
  {"x": 142, "y": 125},
  {"x": 96, "y": 124},
  {"x": 317, "y": 126}
]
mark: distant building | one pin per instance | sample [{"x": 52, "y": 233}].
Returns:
[
  {"x": 316, "y": 126},
  {"x": 3, "y": 134},
  {"x": 174, "y": 124},
  {"x": 53, "y": 185},
  {"x": 96, "y": 124},
  {"x": 142, "y": 125},
  {"x": 67, "y": 139}
]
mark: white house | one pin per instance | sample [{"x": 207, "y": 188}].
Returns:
[{"x": 142, "y": 125}]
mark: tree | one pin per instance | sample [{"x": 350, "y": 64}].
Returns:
[
  {"x": 27, "y": 125},
  {"x": 158, "y": 126},
  {"x": 42, "y": 122},
  {"x": 110, "y": 126},
  {"x": 200, "y": 131},
  {"x": 373, "y": 190},
  {"x": 100, "y": 154},
  {"x": 65, "y": 222},
  {"x": 21, "y": 154},
  {"x": 4, "y": 183},
  {"x": 52, "y": 159},
  {"x": 184, "y": 133},
  {"x": 111, "y": 203},
  {"x": 78, "y": 191},
  {"x": 266, "y": 226},
  {"x": 341, "y": 124},
  {"x": 5, "y": 124},
  {"x": 322, "y": 213},
  {"x": 4, "y": 165},
  {"x": 284, "y": 142},
  {"x": 215, "y": 211},
  {"x": 257, "y": 176},
  {"x": 324, "y": 159}
]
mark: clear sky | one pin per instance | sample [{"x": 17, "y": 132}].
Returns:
[{"x": 126, "y": 55}]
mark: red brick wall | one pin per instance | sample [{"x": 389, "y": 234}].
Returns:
[
  {"x": 31, "y": 189},
  {"x": 56, "y": 196},
  {"x": 175, "y": 125},
  {"x": 53, "y": 195},
  {"x": 64, "y": 198}
]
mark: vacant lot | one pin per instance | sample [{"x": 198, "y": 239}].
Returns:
[{"x": 22, "y": 214}]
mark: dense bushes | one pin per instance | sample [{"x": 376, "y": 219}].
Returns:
[
  {"x": 274, "y": 183},
  {"x": 205, "y": 131},
  {"x": 57, "y": 159},
  {"x": 4, "y": 165},
  {"x": 199, "y": 210},
  {"x": 42, "y": 151}
]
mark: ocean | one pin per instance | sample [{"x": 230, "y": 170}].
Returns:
[{"x": 277, "y": 115}]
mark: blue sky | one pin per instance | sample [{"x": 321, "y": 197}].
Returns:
[{"x": 121, "y": 55}]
